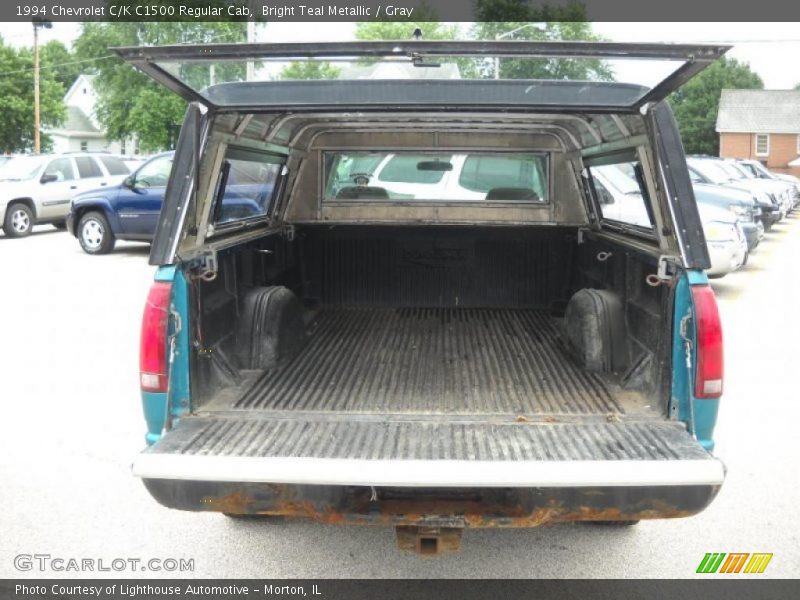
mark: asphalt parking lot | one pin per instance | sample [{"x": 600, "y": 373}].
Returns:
[{"x": 72, "y": 423}]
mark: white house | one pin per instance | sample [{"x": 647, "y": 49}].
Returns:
[{"x": 81, "y": 130}]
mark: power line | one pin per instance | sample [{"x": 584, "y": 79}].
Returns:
[{"x": 53, "y": 66}]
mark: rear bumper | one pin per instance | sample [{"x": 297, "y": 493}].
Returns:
[
  {"x": 430, "y": 473},
  {"x": 494, "y": 473},
  {"x": 459, "y": 507}
]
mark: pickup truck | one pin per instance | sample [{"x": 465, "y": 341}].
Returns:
[{"x": 507, "y": 359}]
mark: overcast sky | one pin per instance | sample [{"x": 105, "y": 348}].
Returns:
[{"x": 771, "y": 49}]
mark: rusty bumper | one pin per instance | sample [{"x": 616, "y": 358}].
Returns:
[{"x": 495, "y": 507}]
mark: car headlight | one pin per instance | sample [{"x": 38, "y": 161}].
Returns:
[
  {"x": 720, "y": 232},
  {"x": 744, "y": 213}
]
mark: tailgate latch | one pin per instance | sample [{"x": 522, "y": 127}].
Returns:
[{"x": 205, "y": 267}]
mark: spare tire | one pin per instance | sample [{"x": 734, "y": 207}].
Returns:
[
  {"x": 595, "y": 330},
  {"x": 270, "y": 328}
]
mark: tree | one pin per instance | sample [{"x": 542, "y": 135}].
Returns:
[
  {"x": 129, "y": 103},
  {"x": 404, "y": 30},
  {"x": 64, "y": 66},
  {"x": 310, "y": 70},
  {"x": 16, "y": 100},
  {"x": 696, "y": 104},
  {"x": 498, "y": 17}
]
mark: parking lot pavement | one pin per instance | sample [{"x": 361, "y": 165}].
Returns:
[{"x": 72, "y": 424}]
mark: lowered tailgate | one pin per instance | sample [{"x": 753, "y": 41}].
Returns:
[{"x": 371, "y": 450}]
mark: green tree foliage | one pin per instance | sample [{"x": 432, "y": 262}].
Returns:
[
  {"x": 129, "y": 103},
  {"x": 310, "y": 70},
  {"x": 696, "y": 104},
  {"x": 404, "y": 30},
  {"x": 16, "y": 100},
  {"x": 64, "y": 66},
  {"x": 541, "y": 23}
]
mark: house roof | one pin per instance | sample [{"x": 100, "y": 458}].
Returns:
[
  {"x": 86, "y": 79},
  {"x": 77, "y": 123},
  {"x": 759, "y": 111}
]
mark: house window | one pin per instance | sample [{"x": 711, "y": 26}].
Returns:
[
  {"x": 762, "y": 144},
  {"x": 122, "y": 147},
  {"x": 84, "y": 146}
]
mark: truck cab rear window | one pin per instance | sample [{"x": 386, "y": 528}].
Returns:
[
  {"x": 435, "y": 177},
  {"x": 247, "y": 184}
]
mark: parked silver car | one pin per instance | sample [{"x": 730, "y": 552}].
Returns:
[
  {"x": 759, "y": 171},
  {"x": 37, "y": 189}
]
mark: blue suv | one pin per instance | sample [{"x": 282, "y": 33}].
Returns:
[{"x": 128, "y": 211}]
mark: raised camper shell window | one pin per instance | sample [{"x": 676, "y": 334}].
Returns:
[
  {"x": 247, "y": 184},
  {"x": 386, "y": 176},
  {"x": 620, "y": 192}
]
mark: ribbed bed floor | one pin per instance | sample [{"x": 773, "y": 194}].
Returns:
[{"x": 429, "y": 361}]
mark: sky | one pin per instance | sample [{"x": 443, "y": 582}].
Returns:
[{"x": 771, "y": 49}]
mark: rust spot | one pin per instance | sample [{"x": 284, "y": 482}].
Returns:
[
  {"x": 428, "y": 512},
  {"x": 235, "y": 503}
]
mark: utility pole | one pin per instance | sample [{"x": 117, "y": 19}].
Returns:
[
  {"x": 251, "y": 38},
  {"x": 37, "y": 139}
]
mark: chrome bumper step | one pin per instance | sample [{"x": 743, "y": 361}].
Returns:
[{"x": 429, "y": 453}]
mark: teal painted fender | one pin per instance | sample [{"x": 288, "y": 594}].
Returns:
[{"x": 699, "y": 414}]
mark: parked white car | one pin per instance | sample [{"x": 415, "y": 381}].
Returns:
[
  {"x": 759, "y": 171},
  {"x": 619, "y": 195},
  {"x": 38, "y": 189},
  {"x": 783, "y": 189},
  {"x": 725, "y": 239},
  {"x": 621, "y": 200},
  {"x": 464, "y": 177}
]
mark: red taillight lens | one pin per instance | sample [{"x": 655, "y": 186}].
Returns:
[
  {"x": 708, "y": 380},
  {"x": 153, "y": 374}
]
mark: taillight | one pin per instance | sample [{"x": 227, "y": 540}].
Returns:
[
  {"x": 708, "y": 379},
  {"x": 153, "y": 374}
]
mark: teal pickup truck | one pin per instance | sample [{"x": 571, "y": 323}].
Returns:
[{"x": 360, "y": 349}]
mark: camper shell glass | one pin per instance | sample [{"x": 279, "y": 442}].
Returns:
[{"x": 227, "y": 75}]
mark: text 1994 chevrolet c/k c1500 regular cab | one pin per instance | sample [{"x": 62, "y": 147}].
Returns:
[{"x": 360, "y": 351}]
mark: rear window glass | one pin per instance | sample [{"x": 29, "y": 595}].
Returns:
[
  {"x": 114, "y": 165},
  {"x": 87, "y": 167},
  {"x": 458, "y": 177},
  {"x": 621, "y": 194},
  {"x": 482, "y": 173},
  {"x": 402, "y": 168},
  {"x": 247, "y": 184}
]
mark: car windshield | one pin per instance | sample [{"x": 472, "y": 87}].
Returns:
[
  {"x": 21, "y": 168},
  {"x": 759, "y": 169},
  {"x": 711, "y": 171},
  {"x": 735, "y": 170}
]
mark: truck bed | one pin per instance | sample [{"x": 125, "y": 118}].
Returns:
[{"x": 423, "y": 362}]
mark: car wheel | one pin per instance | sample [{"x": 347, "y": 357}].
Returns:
[
  {"x": 18, "y": 221},
  {"x": 94, "y": 234},
  {"x": 60, "y": 225}
]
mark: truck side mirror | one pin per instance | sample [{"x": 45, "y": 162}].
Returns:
[{"x": 48, "y": 178}]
